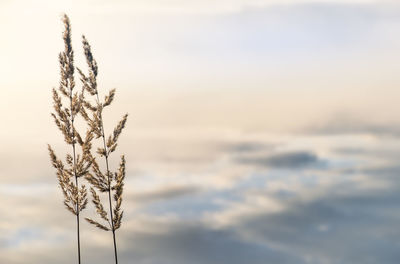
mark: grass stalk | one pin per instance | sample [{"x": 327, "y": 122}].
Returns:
[
  {"x": 75, "y": 165},
  {"x": 108, "y": 182}
]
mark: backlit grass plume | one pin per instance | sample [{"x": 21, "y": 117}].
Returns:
[
  {"x": 67, "y": 103},
  {"x": 108, "y": 182}
]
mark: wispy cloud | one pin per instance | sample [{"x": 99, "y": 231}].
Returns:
[{"x": 293, "y": 160}]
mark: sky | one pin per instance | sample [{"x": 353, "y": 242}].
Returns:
[{"x": 259, "y": 131}]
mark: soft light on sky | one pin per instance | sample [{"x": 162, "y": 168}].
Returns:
[{"x": 260, "y": 131}]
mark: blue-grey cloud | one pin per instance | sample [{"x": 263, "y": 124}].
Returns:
[
  {"x": 249, "y": 146},
  {"x": 289, "y": 160},
  {"x": 343, "y": 124},
  {"x": 355, "y": 227},
  {"x": 197, "y": 244},
  {"x": 165, "y": 193},
  {"x": 343, "y": 225}
]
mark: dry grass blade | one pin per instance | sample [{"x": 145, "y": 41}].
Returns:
[
  {"x": 67, "y": 104},
  {"x": 97, "y": 224},
  {"x": 104, "y": 182},
  {"x": 118, "y": 187},
  {"x": 99, "y": 207}
]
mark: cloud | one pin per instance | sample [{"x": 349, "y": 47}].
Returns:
[
  {"x": 279, "y": 216},
  {"x": 344, "y": 224},
  {"x": 197, "y": 244},
  {"x": 249, "y": 146},
  {"x": 289, "y": 160},
  {"x": 327, "y": 229},
  {"x": 166, "y": 193},
  {"x": 348, "y": 124}
]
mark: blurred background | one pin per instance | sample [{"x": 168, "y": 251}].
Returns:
[{"x": 259, "y": 131}]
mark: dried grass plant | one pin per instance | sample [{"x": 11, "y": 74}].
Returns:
[
  {"x": 104, "y": 181},
  {"x": 67, "y": 103}
]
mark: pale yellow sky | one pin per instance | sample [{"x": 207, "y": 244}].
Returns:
[{"x": 209, "y": 64}]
